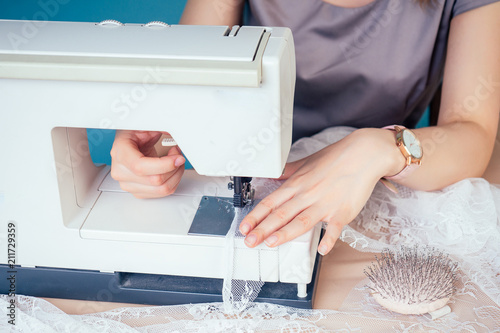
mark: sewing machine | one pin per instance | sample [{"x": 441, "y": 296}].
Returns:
[{"x": 224, "y": 94}]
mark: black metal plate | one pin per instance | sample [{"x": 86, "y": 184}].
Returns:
[{"x": 213, "y": 217}]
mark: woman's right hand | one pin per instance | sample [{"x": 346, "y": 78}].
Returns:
[{"x": 135, "y": 164}]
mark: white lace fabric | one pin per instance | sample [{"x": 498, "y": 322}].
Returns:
[
  {"x": 462, "y": 220},
  {"x": 237, "y": 294}
]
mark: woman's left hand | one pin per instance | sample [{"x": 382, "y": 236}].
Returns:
[{"x": 331, "y": 185}]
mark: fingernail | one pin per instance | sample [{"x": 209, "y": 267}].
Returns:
[
  {"x": 179, "y": 161},
  {"x": 251, "y": 240},
  {"x": 323, "y": 249},
  {"x": 270, "y": 241},
  {"x": 244, "y": 229}
]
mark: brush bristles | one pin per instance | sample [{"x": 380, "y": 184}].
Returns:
[{"x": 413, "y": 275}]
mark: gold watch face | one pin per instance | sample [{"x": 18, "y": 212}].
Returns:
[{"x": 412, "y": 144}]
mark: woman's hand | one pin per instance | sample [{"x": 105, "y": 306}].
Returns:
[
  {"x": 139, "y": 169},
  {"x": 331, "y": 185}
]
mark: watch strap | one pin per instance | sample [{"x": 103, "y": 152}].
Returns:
[{"x": 409, "y": 167}]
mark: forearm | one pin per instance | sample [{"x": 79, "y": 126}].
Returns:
[
  {"x": 452, "y": 153},
  {"x": 462, "y": 143},
  {"x": 213, "y": 12}
]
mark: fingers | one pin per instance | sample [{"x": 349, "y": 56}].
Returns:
[
  {"x": 276, "y": 231},
  {"x": 141, "y": 165},
  {"x": 143, "y": 191},
  {"x": 264, "y": 208},
  {"x": 135, "y": 150},
  {"x": 333, "y": 231},
  {"x": 276, "y": 219},
  {"x": 139, "y": 170},
  {"x": 282, "y": 217},
  {"x": 329, "y": 185},
  {"x": 299, "y": 225},
  {"x": 126, "y": 176},
  {"x": 146, "y": 171},
  {"x": 174, "y": 151},
  {"x": 143, "y": 141}
]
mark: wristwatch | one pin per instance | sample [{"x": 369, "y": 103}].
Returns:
[{"x": 410, "y": 148}]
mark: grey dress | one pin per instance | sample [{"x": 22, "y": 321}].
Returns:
[{"x": 372, "y": 66}]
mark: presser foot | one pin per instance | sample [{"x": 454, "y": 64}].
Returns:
[{"x": 243, "y": 191}]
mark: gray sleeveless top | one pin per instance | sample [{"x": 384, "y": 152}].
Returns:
[{"x": 372, "y": 66}]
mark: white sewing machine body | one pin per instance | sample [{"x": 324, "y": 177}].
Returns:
[{"x": 225, "y": 96}]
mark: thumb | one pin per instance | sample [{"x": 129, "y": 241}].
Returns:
[
  {"x": 174, "y": 151},
  {"x": 175, "y": 154}
]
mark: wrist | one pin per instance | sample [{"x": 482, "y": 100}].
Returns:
[{"x": 386, "y": 157}]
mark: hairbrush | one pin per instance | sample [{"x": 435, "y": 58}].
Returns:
[{"x": 412, "y": 280}]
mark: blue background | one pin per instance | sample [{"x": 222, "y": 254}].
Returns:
[{"x": 125, "y": 11}]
